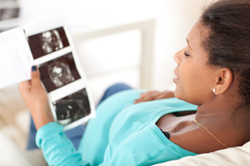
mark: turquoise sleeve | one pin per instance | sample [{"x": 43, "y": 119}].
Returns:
[{"x": 57, "y": 148}]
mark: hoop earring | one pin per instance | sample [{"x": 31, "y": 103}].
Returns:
[{"x": 214, "y": 90}]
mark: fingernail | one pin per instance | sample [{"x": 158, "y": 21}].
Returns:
[{"x": 33, "y": 68}]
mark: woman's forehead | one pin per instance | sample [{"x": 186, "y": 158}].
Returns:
[{"x": 196, "y": 35}]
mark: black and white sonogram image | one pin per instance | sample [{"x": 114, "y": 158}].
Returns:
[
  {"x": 58, "y": 72},
  {"x": 51, "y": 41},
  {"x": 48, "y": 42},
  {"x": 72, "y": 107},
  {"x": 9, "y": 13}
]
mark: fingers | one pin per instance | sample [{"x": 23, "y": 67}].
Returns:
[
  {"x": 154, "y": 95},
  {"x": 148, "y": 96},
  {"x": 165, "y": 94},
  {"x": 35, "y": 77},
  {"x": 24, "y": 86},
  {"x": 35, "y": 83},
  {"x": 161, "y": 96},
  {"x": 148, "y": 93}
]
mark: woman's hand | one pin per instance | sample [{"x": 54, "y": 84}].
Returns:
[
  {"x": 154, "y": 95},
  {"x": 36, "y": 99}
]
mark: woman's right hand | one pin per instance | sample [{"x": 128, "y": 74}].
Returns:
[
  {"x": 36, "y": 99},
  {"x": 154, "y": 95}
]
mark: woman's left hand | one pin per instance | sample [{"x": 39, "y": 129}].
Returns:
[
  {"x": 154, "y": 95},
  {"x": 36, "y": 99}
]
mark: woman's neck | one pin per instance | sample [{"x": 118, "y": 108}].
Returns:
[{"x": 224, "y": 118}]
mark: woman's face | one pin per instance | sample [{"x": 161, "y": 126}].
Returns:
[{"x": 194, "y": 78}]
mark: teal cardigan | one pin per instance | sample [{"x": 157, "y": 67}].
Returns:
[{"x": 123, "y": 133}]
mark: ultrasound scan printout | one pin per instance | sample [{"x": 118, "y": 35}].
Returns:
[
  {"x": 8, "y": 0},
  {"x": 52, "y": 50},
  {"x": 48, "y": 42},
  {"x": 58, "y": 72},
  {"x": 9, "y": 13},
  {"x": 72, "y": 107}
]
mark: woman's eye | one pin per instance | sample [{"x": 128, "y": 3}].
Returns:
[{"x": 186, "y": 54}]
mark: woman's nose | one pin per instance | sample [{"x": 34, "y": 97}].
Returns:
[{"x": 177, "y": 57}]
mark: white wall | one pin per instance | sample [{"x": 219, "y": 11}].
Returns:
[{"x": 174, "y": 23}]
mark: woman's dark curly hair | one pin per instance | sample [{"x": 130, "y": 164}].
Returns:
[{"x": 228, "y": 40}]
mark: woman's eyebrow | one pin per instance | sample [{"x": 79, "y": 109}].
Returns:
[{"x": 189, "y": 44}]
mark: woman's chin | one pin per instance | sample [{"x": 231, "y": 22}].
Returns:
[{"x": 177, "y": 94}]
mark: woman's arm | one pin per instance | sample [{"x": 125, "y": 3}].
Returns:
[{"x": 57, "y": 148}]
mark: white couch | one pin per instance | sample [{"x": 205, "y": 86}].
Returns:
[{"x": 239, "y": 156}]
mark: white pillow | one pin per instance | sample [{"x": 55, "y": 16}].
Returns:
[{"x": 229, "y": 157}]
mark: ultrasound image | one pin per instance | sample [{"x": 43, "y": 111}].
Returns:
[
  {"x": 58, "y": 72},
  {"x": 72, "y": 107},
  {"x": 48, "y": 42},
  {"x": 51, "y": 41}
]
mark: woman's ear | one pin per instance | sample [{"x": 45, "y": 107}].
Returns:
[{"x": 223, "y": 81}]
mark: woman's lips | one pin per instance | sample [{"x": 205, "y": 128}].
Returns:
[{"x": 176, "y": 79}]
